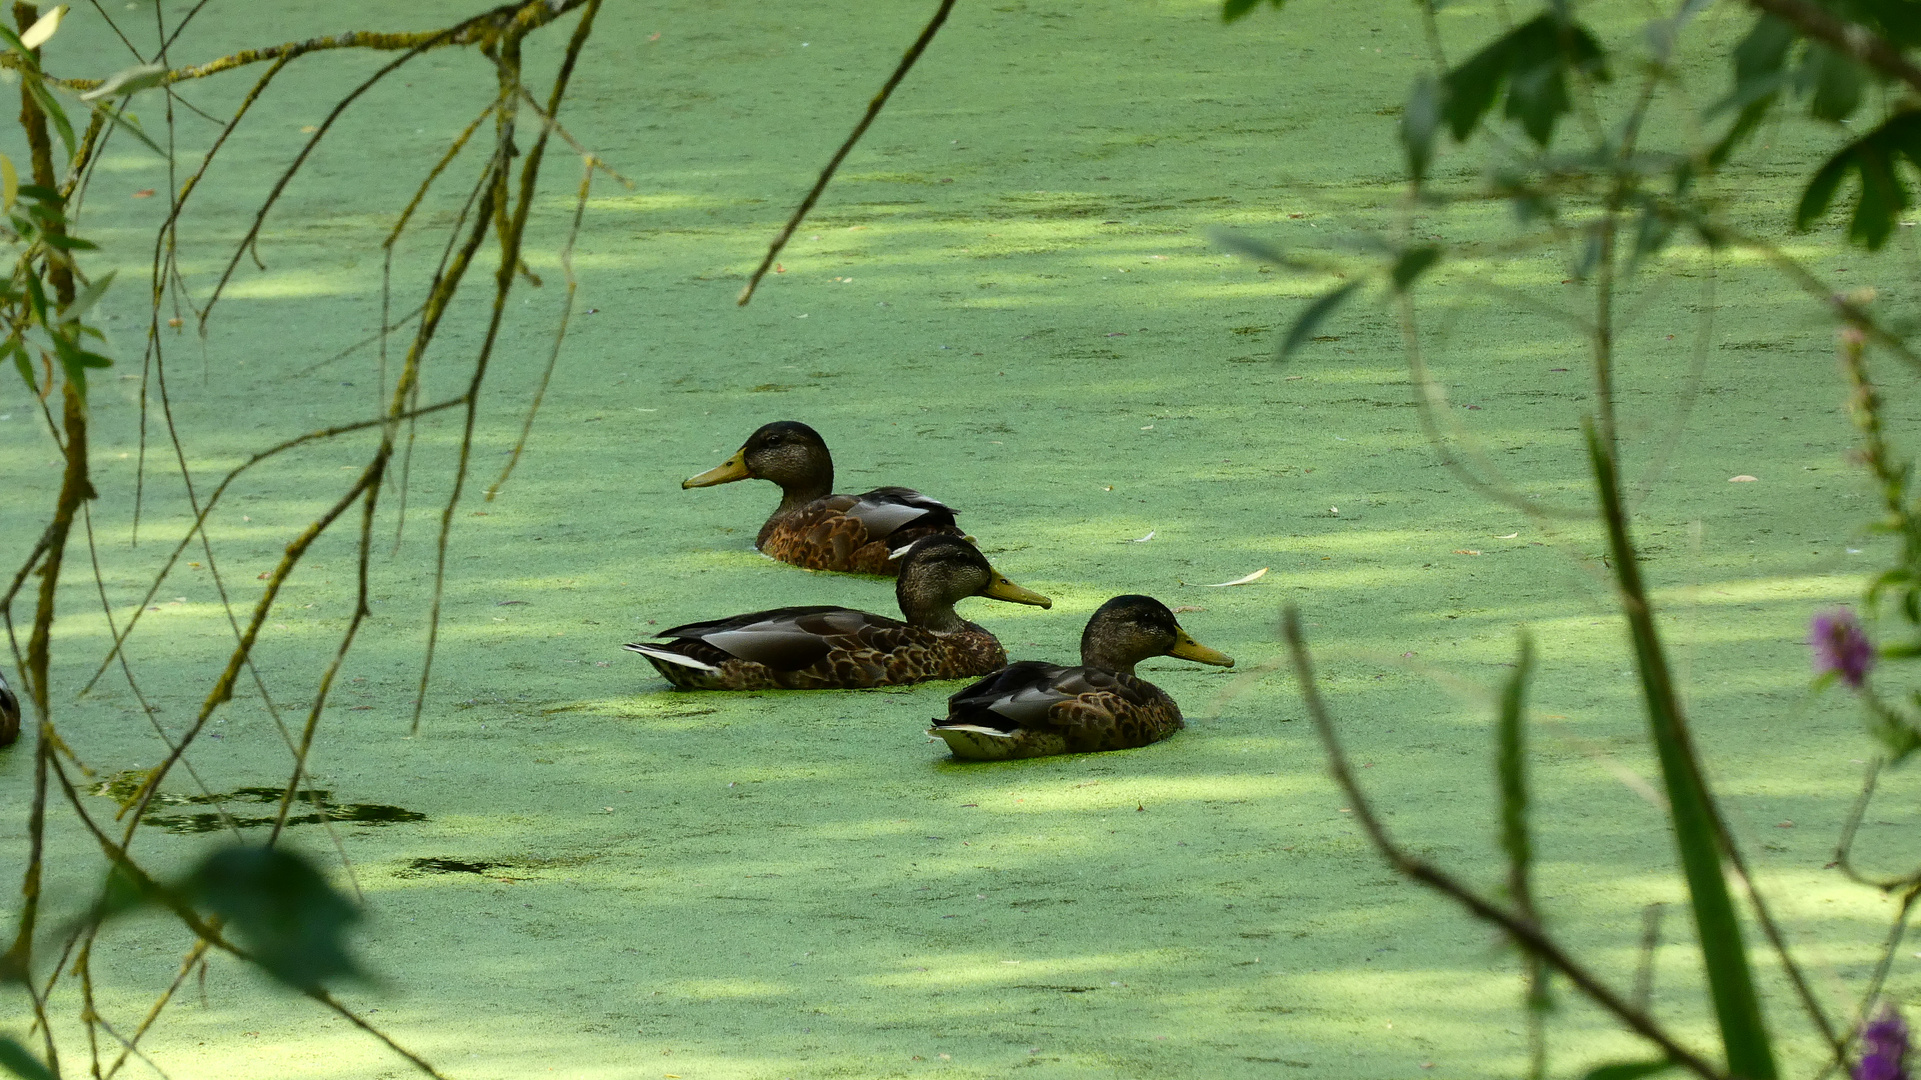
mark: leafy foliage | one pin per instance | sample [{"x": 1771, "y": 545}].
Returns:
[
  {"x": 1629, "y": 1070},
  {"x": 1411, "y": 264},
  {"x": 1311, "y": 318},
  {"x": 291, "y": 921},
  {"x": 1612, "y": 204},
  {"x": 42, "y": 316},
  {"x": 1774, "y": 61},
  {"x": 1884, "y": 194},
  {"x": 1232, "y": 10},
  {"x": 281, "y": 908},
  {"x": 1531, "y": 63},
  {"x": 17, "y": 1061}
]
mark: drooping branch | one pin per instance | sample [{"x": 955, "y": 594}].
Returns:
[
  {"x": 481, "y": 30},
  {"x": 826, "y": 174},
  {"x": 1524, "y": 931},
  {"x": 495, "y": 33}
]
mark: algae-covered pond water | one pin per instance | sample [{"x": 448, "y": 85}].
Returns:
[{"x": 1008, "y": 300}]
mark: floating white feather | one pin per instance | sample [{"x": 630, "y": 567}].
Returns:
[{"x": 1253, "y": 577}]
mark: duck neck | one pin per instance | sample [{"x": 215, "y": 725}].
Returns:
[
  {"x": 1107, "y": 657},
  {"x": 936, "y": 615},
  {"x": 797, "y": 493},
  {"x": 811, "y": 483}
]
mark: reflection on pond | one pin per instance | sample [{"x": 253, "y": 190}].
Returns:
[{"x": 311, "y": 807}]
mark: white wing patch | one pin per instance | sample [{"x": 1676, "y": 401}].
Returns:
[
  {"x": 972, "y": 729},
  {"x": 668, "y": 655},
  {"x": 882, "y": 518}
]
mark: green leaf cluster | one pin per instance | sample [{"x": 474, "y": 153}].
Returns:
[
  {"x": 1884, "y": 194},
  {"x": 273, "y": 902},
  {"x": 1774, "y": 62},
  {"x": 1232, "y": 10},
  {"x": 18, "y": 1061},
  {"x": 1527, "y": 68}
]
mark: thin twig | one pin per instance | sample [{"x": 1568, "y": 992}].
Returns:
[
  {"x": 195, "y": 954},
  {"x": 560, "y": 333},
  {"x": 286, "y": 176},
  {"x": 166, "y": 246},
  {"x": 873, "y": 110},
  {"x": 497, "y": 33},
  {"x": 1644, "y": 967},
  {"x": 1837, "y": 1041},
  {"x": 508, "y": 60},
  {"x": 1430, "y": 400},
  {"x": 213, "y": 500},
  {"x": 1844, "y": 847}
]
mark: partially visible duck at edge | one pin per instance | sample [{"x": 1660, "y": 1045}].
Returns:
[
  {"x": 814, "y": 528},
  {"x": 9, "y": 714},
  {"x": 806, "y": 648},
  {"x": 1033, "y": 709}
]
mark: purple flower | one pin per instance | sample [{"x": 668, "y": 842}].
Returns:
[
  {"x": 1841, "y": 647},
  {"x": 1884, "y": 1046}
]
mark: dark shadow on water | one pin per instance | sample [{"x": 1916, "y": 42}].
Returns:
[
  {"x": 436, "y": 865},
  {"x": 124, "y": 787}
]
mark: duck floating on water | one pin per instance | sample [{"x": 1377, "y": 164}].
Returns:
[
  {"x": 806, "y": 648},
  {"x": 9, "y": 714},
  {"x": 814, "y": 528},
  {"x": 1033, "y": 709}
]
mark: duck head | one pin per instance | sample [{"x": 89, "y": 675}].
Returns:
[
  {"x": 787, "y": 452},
  {"x": 940, "y": 571},
  {"x": 1129, "y": 629}
]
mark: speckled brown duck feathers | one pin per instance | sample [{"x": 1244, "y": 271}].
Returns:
[
  {"x": 807, "y": 648},
  {"x": 817, "y": 529},
  {"x": 1033, "y": 709}
]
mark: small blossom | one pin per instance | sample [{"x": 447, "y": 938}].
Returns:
[
  {"x": 1841, "y": 647},
  {"x": 1884, "y": 1048}
]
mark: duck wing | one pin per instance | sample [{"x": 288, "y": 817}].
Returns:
[
  {"x": 784, "y": 639},
  {"x": 1018, "y": 695},
  {"x": 1024, "y": 695},
  {"x": 884, "y": 510},
  {"x": 854, "y": 533},
  {"x": 1031, "y": 709}
]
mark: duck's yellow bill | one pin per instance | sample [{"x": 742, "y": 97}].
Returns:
[
  {"x": 1000, "y": 588},
  {"x": 1188, "y": 649},
  {"x": 734, "y": 468}
]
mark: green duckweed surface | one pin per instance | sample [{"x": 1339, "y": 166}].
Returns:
[{"x": 1008, "y": 300}]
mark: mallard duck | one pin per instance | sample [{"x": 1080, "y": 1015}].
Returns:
[
  {"x": 805, "y": 648},
  {"x": 814, "y": 528},
  {"x": 1032, "y": 709},
  {"x": 9, "y": 714}
]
